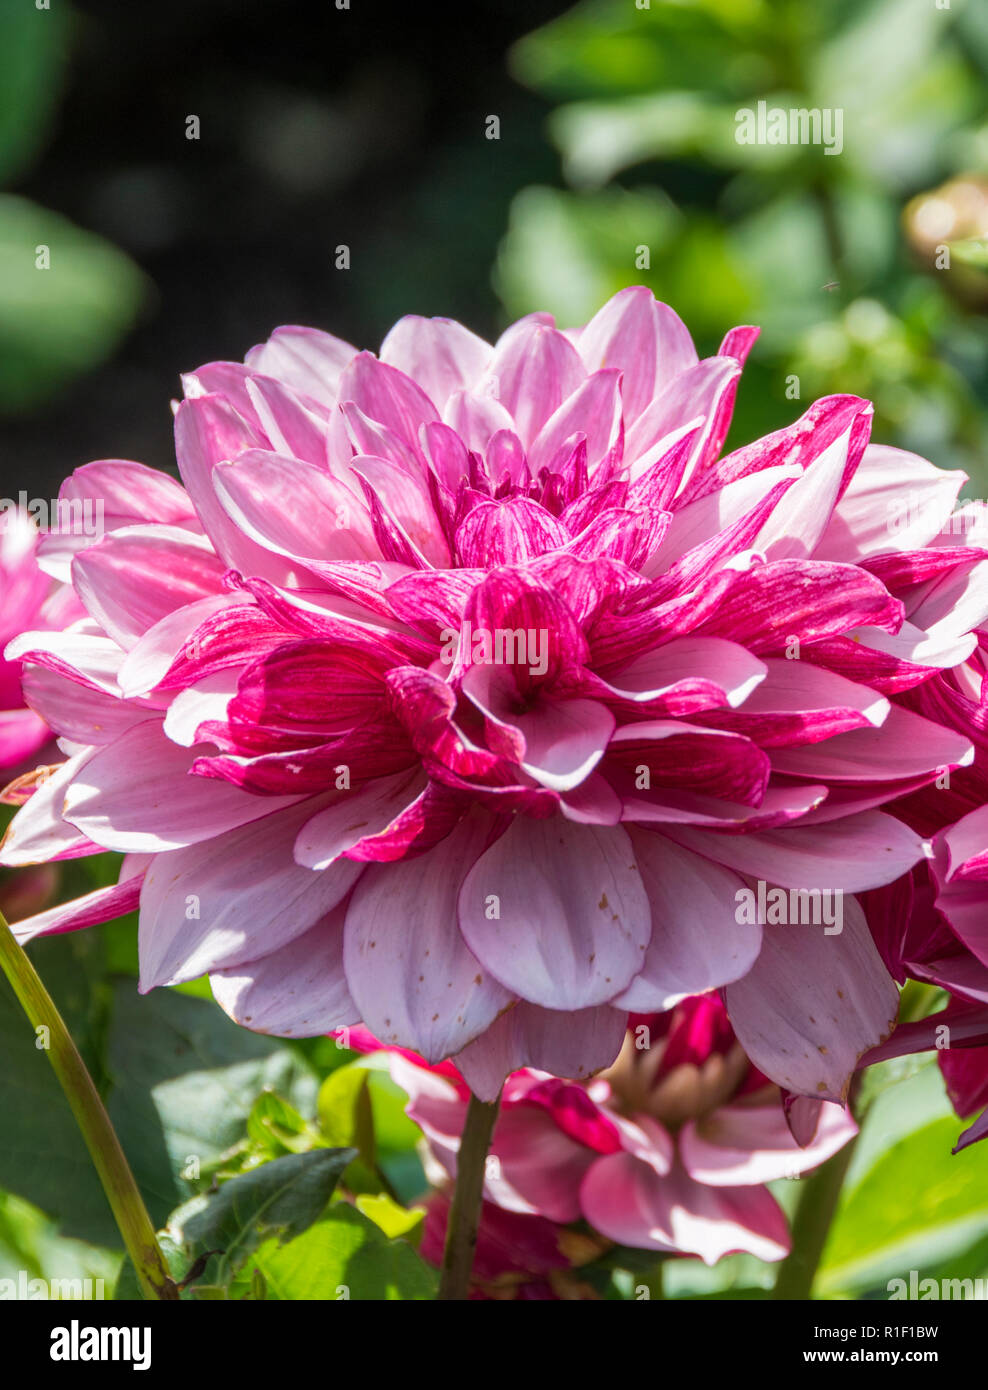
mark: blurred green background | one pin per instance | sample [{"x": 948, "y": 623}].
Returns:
[{"x": 617, "y": 164}]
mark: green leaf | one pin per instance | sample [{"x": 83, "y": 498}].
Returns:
[
  {"x": 30, "y": 1243},
  {"x": 972, "y": 252},
  {"x": 876, "y": 1234},
  {"x": 63, "y": 320},
  {"x": 393, "y": 1219},
  {"x": 343, "y": 1256},
  {"x": 276, "y": 1127},
  {"x": 179, "y": 1078},
  {"x": 185, "y": 1080},
  {"x": 282, "y": 1198},
  {"x": 42, "y": 1155},
  {"x": 32, "y": 53},
  {"x": 344, "y": 1110}
]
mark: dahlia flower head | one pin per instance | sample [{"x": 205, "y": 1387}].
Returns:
[
  {"x": 460, "y": 690},
  {"x": 669, "y": 1149},
  {"x": 28, "y": 599}
]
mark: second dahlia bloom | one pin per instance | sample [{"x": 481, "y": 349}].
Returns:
[
  {"x": 462, "y": 689},
  {"x": 670, "y": 1148},
  {"x": 28, "y": 599}
]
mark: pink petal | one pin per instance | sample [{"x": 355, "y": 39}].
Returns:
[
  {"x": 861, "y": 851},
  {"x": 645, "y": 339},
  {"x": 309, "y": 360},
  {"x": 294, "y": 509},
  {"x": 812, "y": 1005},
  {"x": 292, "y": 428},
  {"x": 411, "y": 975},
  {"x": 38, "y": 832},
  {"x": 296, "y": 991},
  {"x": 538, "y": 1167},
  {"x": 136, "y": 795},
  {"x": 535, "y": 369},
  {"x": 568, "y": 1044},
  {"x": 387, "y": 396},
  {"x": 627, "y": 1201},
  {"x": 741, "y": 1144},
  {"x": 208, "y": 431},
  {"x": 133, "y": 578},
  {"x": 440, "y": 354},
  {"x": 201, "y": 912},
  {"x": 697, "y": 942},
  {"x": 117, "y": 492},
  {"x": 593, "y": 409},
  {"x": 895, "y": 501},
  {"x": 574, "y": 921},
  {"x": 905, "y": 745},
  {"x": 92, "y": 909},
  {"x": 353, "y": 816}
]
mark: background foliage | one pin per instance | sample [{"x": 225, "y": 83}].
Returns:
[{"x": 367, "y": 128}]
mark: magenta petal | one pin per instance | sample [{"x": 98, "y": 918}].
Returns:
[
  {"x": 538, "y": 1168},
  {"x": 101, "y": 905},
  {"x": 974, "y": 1132},
  {"x": 558, "y": 913},
  {"x": 22, "y": 733}
]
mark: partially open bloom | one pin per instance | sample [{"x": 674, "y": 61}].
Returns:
[
  {"x": 670, "y": 1148},
  {"x": 462, "y": 690},
  {"x": 932, "y": 924},
  {"x": 519, "y": 1257}
]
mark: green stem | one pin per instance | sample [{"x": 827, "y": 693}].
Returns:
[
  {"x": 464, "y": 1211},
  {"x": 811, "y": 1226},
  {"x": 108, "y": 1157}
]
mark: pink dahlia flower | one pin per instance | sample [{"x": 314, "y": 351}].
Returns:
[
  {"x": 518, "y": 1257},
  {"x": 28, "y": 599},
  {"x": 462, "y": 689},
  {"x": 668, "y": 1149}
]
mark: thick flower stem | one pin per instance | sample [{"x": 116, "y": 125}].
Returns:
[
  {"x": 108, "y": 1157},
  {"x": 464, "y": 1211},
  {"x": 811, "y": 1226}
]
